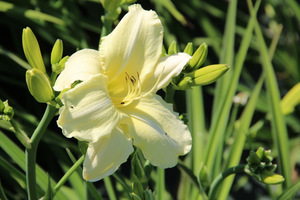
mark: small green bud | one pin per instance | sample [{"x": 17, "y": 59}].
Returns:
[
  {"x": 185, "y": 83},
  {"x": 253, "y": 158},
  {"x": 39, "y": 85},
  {"x": 189, "y": 48},
  {"x": 32, "y": 50},
  {"x": 198, "y": 58},
  {"x": 111, "y": 5},
  {"x": 271, "y": 178},
  {"x": 290, "y": 100},
  {"x": 57, "y": 52},
  {"x": 260, "y": 152},
  {"x": 59, "y": 67},
  {"x": 209, "y": 74},
  {"x": 173, "y": 48}
]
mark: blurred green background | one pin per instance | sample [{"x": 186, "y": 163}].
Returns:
[{"x": 78, "y": 24}]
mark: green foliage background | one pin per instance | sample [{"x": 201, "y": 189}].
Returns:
[{"x": 78, "y": 24}]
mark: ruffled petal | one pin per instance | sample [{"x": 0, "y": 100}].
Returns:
[
  {"x": 134, "y": 46},
  {"x": 105, "y": 156},
  {"x": 167, "y": 68},
  {"x": 88, "y": 112},
  {"x": 157, "y": 131},
  {"x": 80, "y": 66}
]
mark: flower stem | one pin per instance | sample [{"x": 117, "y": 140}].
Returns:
[
  {"x": 109, "y": 188},
  {"x": 218, "y": 180},
  {"x": 24, "y": 139},
  {"x": 106, "y": 28},
  {"x": 68, "y": 174},
  {"x": 30, "y": 154},
  {"x": 160, "y": 183}
]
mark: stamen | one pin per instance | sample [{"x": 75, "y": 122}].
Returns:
[{"x": 134, "y": 90}]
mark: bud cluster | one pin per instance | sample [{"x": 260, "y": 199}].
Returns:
[
  {"x": 193, "y": 74},
  {"x": 37, "y": 79},
  {"x": 261, "y": 167},
  {"x": 6, "y": 111}
]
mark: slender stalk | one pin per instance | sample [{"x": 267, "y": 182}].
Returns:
[
  {"x": 106, "y": 28},
  {"x": 218, "y": 180},
  {"x": 160, "y": 183},
  {"x": 30, "y": 154},
  {"x": 109, "y": 189},
  {"x": 68, "y": 174},
  {"x": 195, "y": 110},
  {"x": 23, "y": 138}
]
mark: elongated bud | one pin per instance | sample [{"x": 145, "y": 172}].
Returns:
[
  {"x": 290, "y": 100},
  {"x": 57, "y": 52},
  {"x": 32, "y": 50},
  {"x": 59, "y": 67},
  {"x": 189, "y": 48},
  {"x": 39, "y": 85},
  {"x": 209, "y": 74},
  {"x": 173, "y": 48},
  {"x": 271, "y": 178},
  {"x": 198, "y": 58}
]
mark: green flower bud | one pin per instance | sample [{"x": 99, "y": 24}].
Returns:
[
  {"x": 59, "y": 67},
  {"x": 173, "y": 48},
  {"x": 111, "y": 5},
  {"x": 39, "y": 85},
  {"x": 57, "y": 52},
  {"x": 271, "y": 178},
  {"x": 198, "y": 58},
  {"x": 185, "y": 83},
  {"x": 189, "y": 48},
  {"x": 209, "y": 74},
  {"x": 253, "y": 158},
  {"x": 260, "y": 152},
  {"x": 290, "y": 100},
  {"x": 32, "y": 50}
]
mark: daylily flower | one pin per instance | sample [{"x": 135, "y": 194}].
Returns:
[{"x": 115, "y": 106}]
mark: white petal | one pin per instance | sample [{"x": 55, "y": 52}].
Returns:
[
  {"x": 167, "y": 68},
  {"x": 88, "y": 112},
  {"x": 158, "y": 132},
  {"x": 134, "y": 46},
  {"x": 80, "y": 66},
  {"x": 105, "y": 156}
]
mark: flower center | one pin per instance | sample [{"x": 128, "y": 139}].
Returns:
[{"x": 133, "y": 89}]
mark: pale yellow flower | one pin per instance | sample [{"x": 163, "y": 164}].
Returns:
[{"x": 115, "y": 106}]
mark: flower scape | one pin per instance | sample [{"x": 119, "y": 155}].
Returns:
[{"x": 115, "y": 105}]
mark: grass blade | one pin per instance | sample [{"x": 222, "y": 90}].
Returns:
[{"x": 278, "y": 123}]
